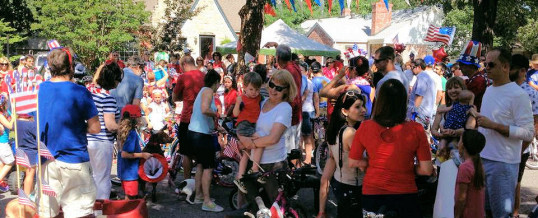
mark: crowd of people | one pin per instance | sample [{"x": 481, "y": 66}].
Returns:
[{"x": 383, "y": 116}]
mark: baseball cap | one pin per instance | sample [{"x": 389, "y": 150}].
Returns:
[
  {"x": 316, "y": 66},
  {"x": 133, "y": 110},
  {"x": 429, "y": 60}
]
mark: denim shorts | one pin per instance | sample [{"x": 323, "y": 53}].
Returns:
[
  {"x": 501, "y": 180},
  {"x": 245, "y": 128},
  {"x": 306, "y": 124}
]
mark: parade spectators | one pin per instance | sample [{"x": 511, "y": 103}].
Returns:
[
  {"x": 422, "y": 98},
  {"x": 67, "y": 113},
  {"x": 384, "y": 62},
  {"x": 129, "y": 91},
  {"x": 101, "y": 145},
  {"x": 505, "y": 120},
  {"x": 476, "y": 81}
]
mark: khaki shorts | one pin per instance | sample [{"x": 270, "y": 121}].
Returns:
[
  {"x": 74, "y": 187},
  {"x": 6, "y": 155}
]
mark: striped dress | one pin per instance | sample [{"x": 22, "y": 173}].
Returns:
[{"x": 105, "y": 103}]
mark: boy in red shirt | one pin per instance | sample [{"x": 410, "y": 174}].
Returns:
[{"x": 247, "y": 109}]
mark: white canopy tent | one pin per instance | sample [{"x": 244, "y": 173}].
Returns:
[{"x": 281, "y": 33}]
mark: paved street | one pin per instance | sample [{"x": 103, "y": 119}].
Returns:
[{"x": 168, "y": 205}]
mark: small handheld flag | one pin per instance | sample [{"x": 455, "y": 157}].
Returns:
[
  {"x": 440, "y": 34},
  {"x": 24, "y": 200},
  {"x": 45, "y": 152},
  {"x": 21, "y": 158},
  {"x": 47, "y": 189}
]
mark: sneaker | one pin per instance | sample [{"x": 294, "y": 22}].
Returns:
[
  {"x": 212, "y": 207},
  {"x": 201, "y": 200},
  {"x": 240, "y": 186},
  {"x": 261, "y": 180},
  {"x": 4, "y": 187}
]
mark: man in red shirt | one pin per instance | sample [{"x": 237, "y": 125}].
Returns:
[
  {"x": 469, "y": 64},
  {"x": 187, "y": 87},
  {"x": 284, "y": 60},
  {"x": 113, "y": 56}
]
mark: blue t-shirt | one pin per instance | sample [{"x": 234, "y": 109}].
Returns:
[
  {"x": 319, "y": 82},
  {"x": 64, "y": 108},
  {"x": 425, "y": 87},
  {"x": 4, "y": 138},
  {"x": 27, "y": 139},
  {"x": 128, "y": 167},
  {"x": 159, "y": 74},
  {"x": 130, "y": 87},
  {"x": 201, "y": 123}
]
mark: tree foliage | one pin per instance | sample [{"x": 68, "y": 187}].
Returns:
[
  {"x": 92, "y": 28},
  {"x": 17, "y": 14},
  {"x": 8, "y": 35},
  {"x": 168, "y": 34},
  {"x": 528, "y": 36},
  {"x": 460, "y": 18}
]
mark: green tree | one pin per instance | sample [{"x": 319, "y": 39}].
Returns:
[
  {"x": 527, "y": 35},
  {"x": 8, "y": 35},
  {"x": 168, "y": 34},
  {"x": 17, "y": 14},
  {"x": 460, "y": 19},
  {"x": 92, "y": 28}
]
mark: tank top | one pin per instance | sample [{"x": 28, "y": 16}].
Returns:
[
  {"x": 346, "y": 175},
  {"x": 199, "y": 122}
]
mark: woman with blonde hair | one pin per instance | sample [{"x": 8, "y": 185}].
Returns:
[
  {"x": 5, "y": 69},
  {"x": 274, "y": 119}
]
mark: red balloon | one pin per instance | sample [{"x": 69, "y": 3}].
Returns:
[{"x": 439, "y": 54}]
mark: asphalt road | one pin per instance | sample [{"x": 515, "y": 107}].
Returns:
[{"x": 169, "y": 205}]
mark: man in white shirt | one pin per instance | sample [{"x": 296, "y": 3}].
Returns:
[
  {"x": 384, "y": 62},
  {"x": 506, "y": 121},
  {"x": 422, "y": 97}
]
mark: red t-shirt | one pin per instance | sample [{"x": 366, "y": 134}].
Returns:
[
  {"x": 229, "y": 99},
  {"x": 119, "y": 62},
  {"x": 251, "y": 109},
  {"x": 187, "y": 87},
  {"x": 297, "y": 104},
  {"x": 391, "y": 155},
  {"x": 474, "y": 205},
  {"x": 478, "y": 84}
]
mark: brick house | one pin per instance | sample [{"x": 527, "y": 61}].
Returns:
[{"x": 378, "y": 29}]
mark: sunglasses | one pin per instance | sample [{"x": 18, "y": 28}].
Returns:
[
  {"x": 350, "y": 93},
  {"x": 379, "y": 60},
  {"x": 489, "y": 64},
  {"x": 4, "y": 64},
  {"x": 275, "y": 87}
]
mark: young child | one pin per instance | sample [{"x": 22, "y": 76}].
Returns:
[
  {"x": 6, "y": 155},
  {"x": 130, "y": 151},
  {"x": 27, "y": 129},
  {"x": 457, "y": 117},
  {"x": 247, "y": 109},
  {"x": 470, "y": 192},
  {"x": 158, "y": 110}
]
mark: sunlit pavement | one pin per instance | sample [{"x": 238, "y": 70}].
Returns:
[{"x": 168, "y": 205}]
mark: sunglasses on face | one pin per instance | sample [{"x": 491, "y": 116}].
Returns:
[
  {"x": 379, "y": 60},
  {"x": 275, "y": 87},
  {"x": 4, "y": 64},
  {"x": 489, "y": 64}
]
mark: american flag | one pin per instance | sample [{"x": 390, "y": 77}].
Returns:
[
  {"x": 395, "y": 40},
  {"x": 440, "y": 34},
  {"x": 21, "y": 158},
  {"x": 25, "y": 92},
  {"x": 233, "y": 147},
  {"x": 48, "y": 190},
  {"x": 24, "y": 200},
  {"x": 45, "y": 152}
]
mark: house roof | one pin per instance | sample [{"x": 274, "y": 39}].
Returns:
[
  {"x": 231, "y": 8},
  {"x": 410, "y": 25},
  {"x": 223, "y": 14}
]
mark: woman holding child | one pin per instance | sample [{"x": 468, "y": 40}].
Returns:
[{"x": 274, "y": 119}]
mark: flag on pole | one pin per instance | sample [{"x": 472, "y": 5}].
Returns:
[
  {"x": 440, "y": 34},
  {"x": 233, "y": 147},
  {"x": 47, "y": 189},
  {"x": 309, "y": 4},
  {"x": 24, "y": 200},
  {"x": 25, "y": 102},
  {"x": 395, "y": 40},
  {"x": 21, "y": 158},
  {"x": 45, "y": 152}
]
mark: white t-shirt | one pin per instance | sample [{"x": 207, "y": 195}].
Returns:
[
  {"x": 279, "y": 114},
  {"x": 410, "y": 77},
  {"x": 308, "y": 104},
  {"x": 508, "y": 105},
  {"x": 393, "y": 75},
  {"x": 437, "y": 79},
  {"x": 157, "y": 115}
]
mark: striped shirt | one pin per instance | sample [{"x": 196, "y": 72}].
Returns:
[{"x": 105, "y": 104}]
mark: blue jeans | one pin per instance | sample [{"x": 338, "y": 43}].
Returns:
[{"x": 501, "y": 180}]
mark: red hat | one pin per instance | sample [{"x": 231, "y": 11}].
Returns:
[{"x": 133, "y": 110}]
